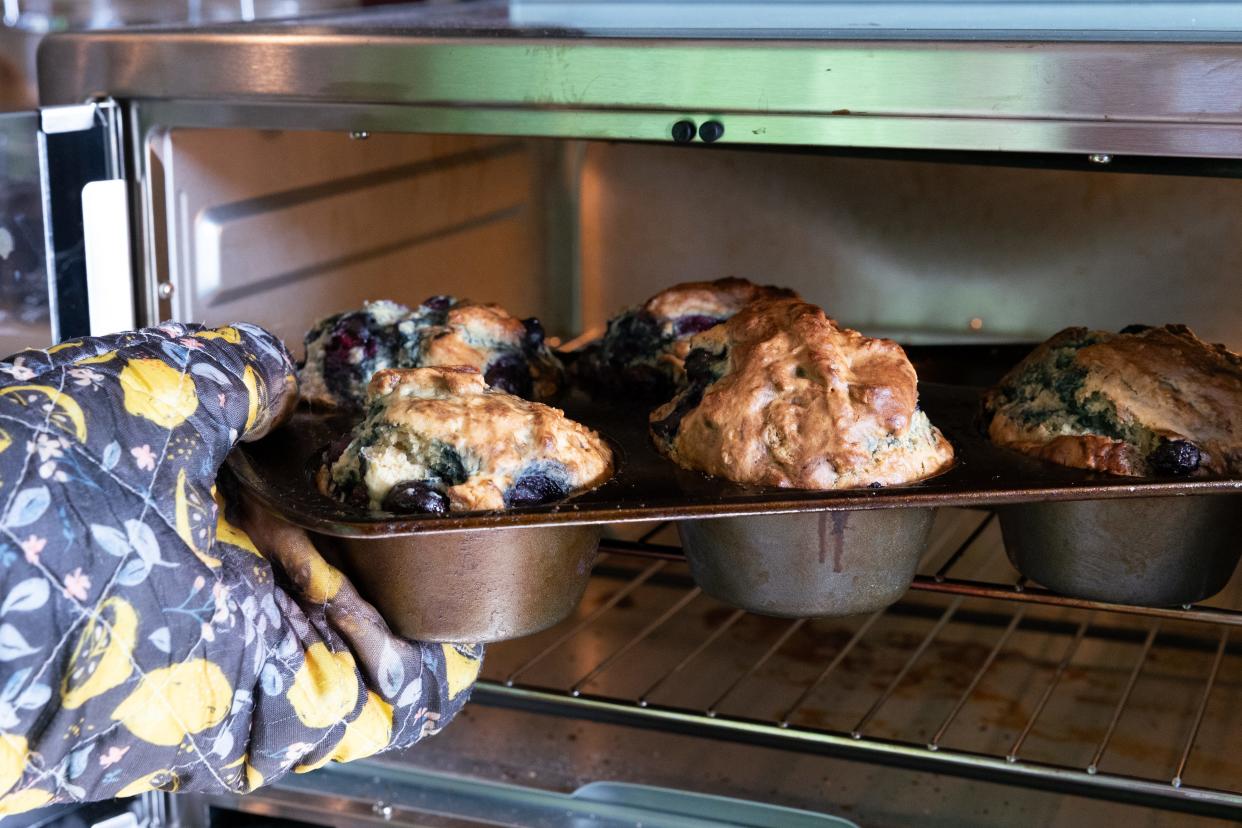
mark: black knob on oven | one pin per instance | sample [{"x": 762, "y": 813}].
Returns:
[
  {"x": 684, "y": 132},
  {"x": 711, "y": 131}
]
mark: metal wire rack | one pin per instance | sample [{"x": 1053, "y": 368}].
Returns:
[{"x": 975, "y": 673}]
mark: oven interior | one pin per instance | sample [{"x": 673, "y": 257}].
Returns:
[{"x": 1084, "y": 711}]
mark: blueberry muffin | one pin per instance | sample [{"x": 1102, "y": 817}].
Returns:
[
  {"x": 437, "y": 440},
  {"x": 1143, "y": 402},
  {"x": 781, "y": 396},
  {"x": 345, "y": 350},
  {"x": 644, "y": 348},
  {"x": 510, "y": 353}
]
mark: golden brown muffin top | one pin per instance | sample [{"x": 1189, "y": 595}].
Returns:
[
  {"x": 1124, "y": 403},
  {"x": 801, "y": 402},
  {"x": 418, "y": 413}
]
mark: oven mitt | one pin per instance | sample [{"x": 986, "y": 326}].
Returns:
[{"x": 146, "y": 643}]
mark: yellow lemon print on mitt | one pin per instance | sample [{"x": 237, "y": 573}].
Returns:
[
  {"x": 24, "y": 800},
  {"x": 364, "y": 736},
  {"x": 192, "y": 514},
  {"x": 229, "y": 334},
  {"x": 102, "y": 658},
  {"x": 253, "y": 778},
  {"x": 256, "y": 391},
  {"x": 13, "y": 753},
  {"x": 158, "y": 392},
  {"x": 460, "y": 670},
  {"x": 66, "y": 414},
  {"x": 225, "y": 531},
  {"x": 322, "y": 581},
  {"x": 325, "y": 687},
  {"x": 161, "y": 780},
  {"x": 173, "y": 702},
  {"x": 96, "y": 360}
]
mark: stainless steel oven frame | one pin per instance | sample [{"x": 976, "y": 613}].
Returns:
[{"x": 1079, "y": 103}]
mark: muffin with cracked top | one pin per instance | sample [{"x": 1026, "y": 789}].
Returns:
[
  {"x": 779, "y": 395},
  {"x": 1148, "y": 401},
  {"x": 644, "y": 347},
  {"x": 437, "y": 440},
  {"x": 344, "y": 351}
]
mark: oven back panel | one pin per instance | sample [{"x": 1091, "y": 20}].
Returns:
[{"x": 284, "y": 227}]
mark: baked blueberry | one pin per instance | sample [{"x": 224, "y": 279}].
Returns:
[
  {"x": 542, "y": 483},
  {"x": 1135, "y": 329},
  {"x": 694, "y": 323},
  {"x": 534, "y": 333},
  {"x": 509, "y": 373},
  {"x": 1176, "y": 458},
  {"x": 447, "y": 467},
  {"x": 343, "y": 351},
  {"x": 413, "y": 496}
]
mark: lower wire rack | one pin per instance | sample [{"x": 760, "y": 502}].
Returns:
[{"x": 975, "y": 673}]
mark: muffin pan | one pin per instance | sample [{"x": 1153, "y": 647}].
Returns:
[{"x": 278, "y": 471}]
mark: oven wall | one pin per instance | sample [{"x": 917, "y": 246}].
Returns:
[
  {"x": 281, "y": 228},
  {"x": 284, "y": 227},
  {"x": 916, "y": 249}
]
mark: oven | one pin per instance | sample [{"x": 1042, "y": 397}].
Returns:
[{"x": 965, "y": 178}]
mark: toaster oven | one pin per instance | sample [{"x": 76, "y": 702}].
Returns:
[{"x": 960, "y": 177}]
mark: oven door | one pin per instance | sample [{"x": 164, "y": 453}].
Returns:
[{"x": 64, "y": 226}]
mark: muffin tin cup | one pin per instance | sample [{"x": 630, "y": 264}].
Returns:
[
  {"x": 810, "y": 564},
  {"x": 1148, "y": 551},
  {"x": 470, "y": 586}
]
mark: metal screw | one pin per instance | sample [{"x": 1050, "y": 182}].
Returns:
[
  {"x": 711, "y": 131},
  {"x": 359, "y": 134},
  {"x": 165, "y": 290},
  {"x": 382, "y": 810},
  {"x": 684, "y": 132},
  {"x": 1100, "y": 158}
]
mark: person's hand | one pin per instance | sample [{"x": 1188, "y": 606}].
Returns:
[{"x": 145, "y": 641}]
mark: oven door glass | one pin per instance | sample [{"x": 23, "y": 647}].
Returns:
[
  {"x": 64, "y": 230},
  {"x": 24, "y": 313}
]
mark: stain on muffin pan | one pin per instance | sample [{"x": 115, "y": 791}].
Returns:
[{"x": 809, "y": 565}]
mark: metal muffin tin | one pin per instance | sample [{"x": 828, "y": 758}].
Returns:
[
  {"x": 471, "y": 586},
  {"x": 647, "y": 487},
  {"x": 1151, "y": 551},
  {"x": 809, "y": 565}
]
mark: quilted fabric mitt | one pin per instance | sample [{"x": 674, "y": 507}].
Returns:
[{"x": 145, "y": 641}]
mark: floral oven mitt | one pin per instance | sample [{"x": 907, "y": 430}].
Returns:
[{"x": 145, "y": 641}]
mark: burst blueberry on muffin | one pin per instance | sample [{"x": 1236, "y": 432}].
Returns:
[
  {"x": 345, "y": 350},
  {"x": 437, "y": 440},
  {"x": 510, "y": 353},
  {"x": 781, "y": 396},
  {"x": 644, "y": 348},
  {"x": 1149, "y": 401}
]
